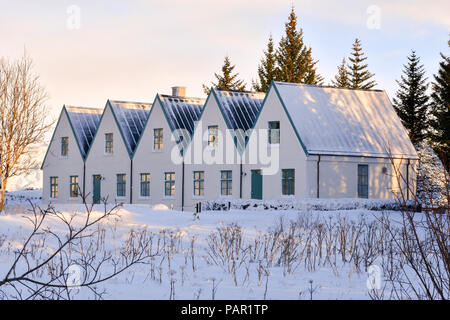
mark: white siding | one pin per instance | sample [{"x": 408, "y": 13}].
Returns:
[
  {"x": 108, "y": 165},
  {"x": 146, "y": 160},
  {"x": 211, "y": 117},
  {"x": 291, "y": 154},
  {"x": 62, "y": 167}
]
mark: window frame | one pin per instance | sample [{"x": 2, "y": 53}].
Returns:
[
  {"x": 213, "y": 143},
  {"x": 270, "y": 130},
  {"x": 145, "y": 185},
  {"x": 226, "y": 183},
  {"x": 109, "y": 143},
  {"x": 169, "y": 183},
  {"x": 73, "y": 186},
  {"x": 360, "y": 184},
  {"x": 158, "y": 139},
  {"x": 287, "y": 182},
  {"x": 54, "y": 188},
  {"x": 198, "y": 178},
  {"x": 64, "y": 147},
  {"x": 121, "y": 185}
]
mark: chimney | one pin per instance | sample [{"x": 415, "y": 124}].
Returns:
[{"x": 179, "y": 91}]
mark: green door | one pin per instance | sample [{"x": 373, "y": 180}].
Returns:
[
  {"x": 97, "y": 183},
  {"x": 256, "y": 184}
]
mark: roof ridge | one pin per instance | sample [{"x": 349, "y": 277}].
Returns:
[
  {"x": 325, "y": 86},
  {"x": 133, "y": 102},
  {"x": 181, "y": 98},
  {"x": 240, "y": 91},
  {"x": 83, "y": 108}
]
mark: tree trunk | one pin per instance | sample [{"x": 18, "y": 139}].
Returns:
[{"x": 2, "y": 194}]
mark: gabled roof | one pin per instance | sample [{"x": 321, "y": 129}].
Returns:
[
  {"x": 240, "y": 110},
  {"x": 336, "y": 121},
  {"x": 84, "y": 122},
  {"x": 182, "y": 113},
  {"x": 131, "y": 118}
]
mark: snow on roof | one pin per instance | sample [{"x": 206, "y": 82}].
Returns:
[
  {"x": 85, "y": 123},
  {"x": 131, "y": 118},
  {"x": 240, "y": 110},
  {"x": 344, "y": 121},
  {"x": 182, "y": 113}
]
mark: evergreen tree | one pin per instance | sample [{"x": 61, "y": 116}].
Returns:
[
  {"x": 226, "y": 80},
  {"x": 440, "y": 110},
  {"x": 311, "y": 75},
  {"x": 360, "y": 77},
  {"x": 411, "y": 102},
  {"x": 341, "y": 80},
  {"x": 267, "y": 69},
  {"x": 294, "y": 60}
]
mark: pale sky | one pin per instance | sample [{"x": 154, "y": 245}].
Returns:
[{"x": 131, "y": 50}]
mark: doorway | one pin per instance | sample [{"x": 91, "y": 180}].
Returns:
[
  {"x": 96, "y": 188},
  {"x": 257, "y": 185}
]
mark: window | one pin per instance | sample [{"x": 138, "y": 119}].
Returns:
[
  {"x": 108, "y": 143},
  {"x": 274, "y": 132},
  {"x": 169, "y": 184},
  {"x": 157, "y": 139},
  {"x": 363, "y": 181},
  {"x": 288, "y": 181},
  {"x": 145, "y": 184},
  {"x": 53, "y": 187},
  {"x": 73, "y": 186},
  {"x": 64, "y": 146},
  {"x": 213, "y": 136},
  {"x": 226, "y": 182},
  {"x": 121, "y": 182},
  {"x": 199, "y": 183}
]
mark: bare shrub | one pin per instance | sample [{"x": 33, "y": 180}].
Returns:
[{"x": 42, "y": 267}]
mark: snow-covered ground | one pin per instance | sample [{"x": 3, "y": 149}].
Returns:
[
  {"x": 333, "y": 280},
  {"x": 33, "y": 179}
]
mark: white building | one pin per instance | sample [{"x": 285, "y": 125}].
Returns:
[
  {"x": 109, "y": 160},
  {"x": 294, "y": 141},
  {"x": 158, "y": 179},
  {"x": 333, "y": 143},
  {"x": 214, "y": 155},
  {"x": 63, "y": 166}
]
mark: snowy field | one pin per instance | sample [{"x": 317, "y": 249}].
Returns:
[{"x": 282, "y": 254}]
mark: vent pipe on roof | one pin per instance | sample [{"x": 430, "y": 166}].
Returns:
[{"x": 179, "y": 91}]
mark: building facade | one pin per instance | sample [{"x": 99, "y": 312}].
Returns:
[{"x": 295, "y": 141}]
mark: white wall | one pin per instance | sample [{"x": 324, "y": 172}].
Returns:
[
  {"x": 62, "y": 167},
  {"x": 108, "y": 165},
  {"x": 146, "y": 160},
  {"x": 291, "y": 154},
  {"x": 212, "y": 171},
  {"x": 339, "y": 177}
]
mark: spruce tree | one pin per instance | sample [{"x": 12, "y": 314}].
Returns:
[
  {"x": 294, "y": 60},
  {"x": 226, "y": 80},
  {"x": 411, "y": 102},
  {"x": 267, "y": 69},
  {"x": 360, "y": 77},
  {"x": 440, "y": 110},
  {"x": 341, "y": 80},
  {"x": 311, "y": 75}
]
